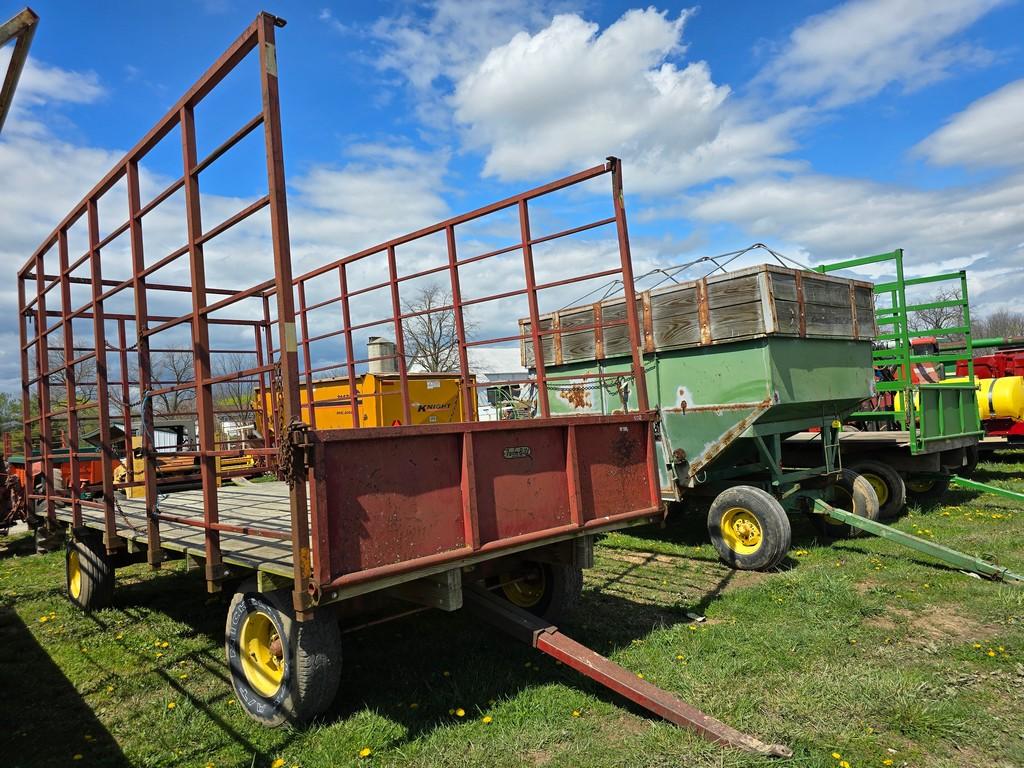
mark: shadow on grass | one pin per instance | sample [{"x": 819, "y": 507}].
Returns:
[
  {"x": 17, "y": 546},
  {"x": 389, "y": 667},
  {"x": 45, "y": 719}
]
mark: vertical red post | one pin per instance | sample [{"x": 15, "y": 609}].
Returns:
[
  {"x": 71, "y": 394},
  {"x": 273, "y": 418},
  {"x": 302, "y": 567},
  {"x": 110, "y": 537},
  {"x": 468, "y": 391},
  {"x": 350, "y": 365},
  {"x": 306, "y": 356},
  {"x": 263, "y": 392},
  {"x": 153, "y": 551},
  {"x": 396, "y": 308},
  {"x": 201, "y": 353},
  {"x": 531, "y": 288},
  {"x": 126, "y": 395},
  {"x": 628, "y": 286},
  {"x": 43, "y": 387},
  {"x": 26, "y": 389}
]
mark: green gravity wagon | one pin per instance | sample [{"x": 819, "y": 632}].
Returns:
[{"x": 735, "y": 363}]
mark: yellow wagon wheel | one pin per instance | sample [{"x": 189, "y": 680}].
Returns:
[{"x": 749, "y": 528}]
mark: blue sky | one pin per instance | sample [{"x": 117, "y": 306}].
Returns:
[{"x": 825, "y": 129}]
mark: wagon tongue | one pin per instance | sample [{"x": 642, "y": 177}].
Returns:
[{"x": 547, "y": 638}]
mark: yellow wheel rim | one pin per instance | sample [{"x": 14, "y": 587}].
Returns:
[
  {"x": 525, "y": 589},
  {"x": 261, "y": 652},
  {"x": 741, "y": 531},
  {"x": 920, "y": 486},
  {"x": 74, "y": 575},
  {"x": 880, "y": 486}
]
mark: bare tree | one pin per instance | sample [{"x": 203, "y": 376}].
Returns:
[
  {"x": 236, "y": 395},
  {"x": 1000, "y": 323},
  {"x": 171, "y": 368},
  {"x": 431, "y": 338},
  {"x": 939, "y": 317}
]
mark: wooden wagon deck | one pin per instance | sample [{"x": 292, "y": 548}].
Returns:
[{"x": 262, "y": 505}]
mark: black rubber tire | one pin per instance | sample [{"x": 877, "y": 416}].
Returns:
[
  {"x": 563, "y": 588},
  {"x": 854, "y": 494},
  {"x": 95, "y": 587},
  {"x": 774, "y": 532},
  {"x": 894, "y": 497},
  {"x": 929, "y": 490},
  {"x": 311, "y": 651}
]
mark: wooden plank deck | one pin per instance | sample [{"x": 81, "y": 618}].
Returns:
[{"x": 263, "y": 505}]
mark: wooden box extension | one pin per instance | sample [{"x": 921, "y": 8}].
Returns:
[{"x": 734, "y": 306}]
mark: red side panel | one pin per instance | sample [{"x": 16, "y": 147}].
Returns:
[
  {"x": 392, "y": 500},
  {"x": 396, "y": 499},
  {"x": 614, "y": 472},
  {"x": 520, "y": 481}
]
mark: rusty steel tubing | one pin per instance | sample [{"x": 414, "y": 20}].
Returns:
[{"x": 664, "y": 704}]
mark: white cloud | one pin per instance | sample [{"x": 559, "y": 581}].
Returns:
[
  {"x": 989, "y": 133},
  {"x": 383, "y": 192},
  {"x": 452, "y": 40},
  {"x": 570, "y": 95},
  {"x": 855, "y": 50},
  {"x": 832, "y": 218},
  {"x": 41, "y": 84}
]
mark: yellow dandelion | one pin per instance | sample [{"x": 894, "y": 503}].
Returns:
[
  {"x": 156, "y": 643},
  {"x": 460, "y": 712},
  {"x": 43, "y": 619},
  {"x": 365, "y": 752},
  {"x": 209, "y": 765},
  {"x": 836, "y": 756},
  {"x": 887, "y": 761},
  {"x": 576, "y": 713},
  {"x": 852, "y": 641},
  {"x": 164, "y": 644},
  {"x": 171, "y": 705},
  {"x": 183, "y": 677},
  {"x": 991, "y": 652},
  {"x": 446, "y": 673},
  {"x": 1001, "y": 649},
  {"x": 679, "y": 657},
  {"x": 414, "y": 705},
  {"x": 844, "y": 764},
  {"x": 693, "y": 628},
  {"x": 110, "y": 689},
  {"x": 977, "y": 645},
  {"x": 640, "y": 675},
  {"x": 279, "y": 763},
  {"x": 158, "y": 654},
  {"x": 487, "y": 719},
  {"x": 119, "y": 636}
]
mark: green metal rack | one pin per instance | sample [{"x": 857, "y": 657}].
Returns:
[{"x": 930, "y": 413}]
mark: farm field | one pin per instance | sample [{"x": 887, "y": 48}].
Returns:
[{"x": 855, "y": 653}]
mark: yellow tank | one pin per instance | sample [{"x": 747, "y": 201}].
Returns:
[
  {"x": 1001, "y": 398},
  {"x": 435, "y": 398}
]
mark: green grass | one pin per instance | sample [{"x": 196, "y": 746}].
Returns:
[{"x": 859, "y": 647}]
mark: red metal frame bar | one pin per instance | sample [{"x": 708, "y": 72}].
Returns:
[{"x": 96, "y": 406}]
